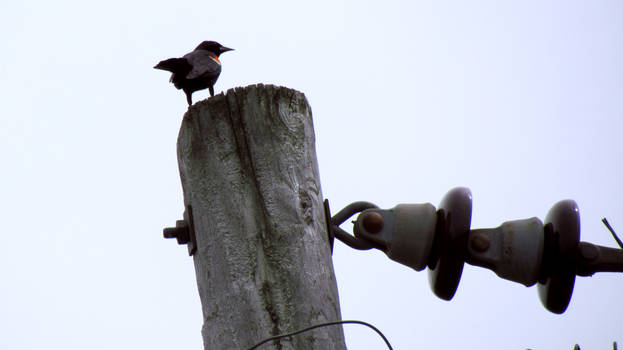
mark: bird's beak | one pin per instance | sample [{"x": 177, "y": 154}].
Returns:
[{"x": 225, "y": 49}]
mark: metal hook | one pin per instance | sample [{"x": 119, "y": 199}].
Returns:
[{"x": 333, "y": 224}]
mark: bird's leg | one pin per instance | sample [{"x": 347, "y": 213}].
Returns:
[
  {"x": 189, "y": 97},
  {"x": 211, "y": 91}
]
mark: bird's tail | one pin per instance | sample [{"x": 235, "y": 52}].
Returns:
[{"x": 172, "y": 64}]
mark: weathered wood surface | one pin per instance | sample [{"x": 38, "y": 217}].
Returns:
[{"x": 249, "y": 170}]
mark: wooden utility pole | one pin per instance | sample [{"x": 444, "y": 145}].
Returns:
[{"x": 263, "y": 263}]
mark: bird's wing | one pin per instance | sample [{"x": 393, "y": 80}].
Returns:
[
  {"x": 203, "y": 63},
  {"x": 174, "y": 65}
]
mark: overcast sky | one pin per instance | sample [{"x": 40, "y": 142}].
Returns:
[{"x": 521, "y": 101}]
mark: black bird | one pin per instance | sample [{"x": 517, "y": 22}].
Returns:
[{"x": 197, "y": 70}]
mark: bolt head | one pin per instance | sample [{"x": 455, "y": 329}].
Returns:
[
  {"x": 589, "y": 252},
  {"x": 480, "y": 243},
  {"x": 181, "y": 232},
  {"x": 372, "y": 222}
]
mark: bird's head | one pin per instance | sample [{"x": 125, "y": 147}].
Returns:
[{"x": 213, "y": 47}]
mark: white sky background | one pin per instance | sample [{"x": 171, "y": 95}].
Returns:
[{"x": 522, "y": 102}]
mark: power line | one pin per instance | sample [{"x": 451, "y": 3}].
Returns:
[{"x": 323, "y": 325}]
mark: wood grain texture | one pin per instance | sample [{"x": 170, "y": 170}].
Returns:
[{"x": 249, "y": 170}]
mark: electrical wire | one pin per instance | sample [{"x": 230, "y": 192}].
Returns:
[
  {"x": 616, "y": 238},
  {"x": 323, "y": 325}
]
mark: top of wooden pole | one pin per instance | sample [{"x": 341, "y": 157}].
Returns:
[{"x": 249, "y": 172}]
